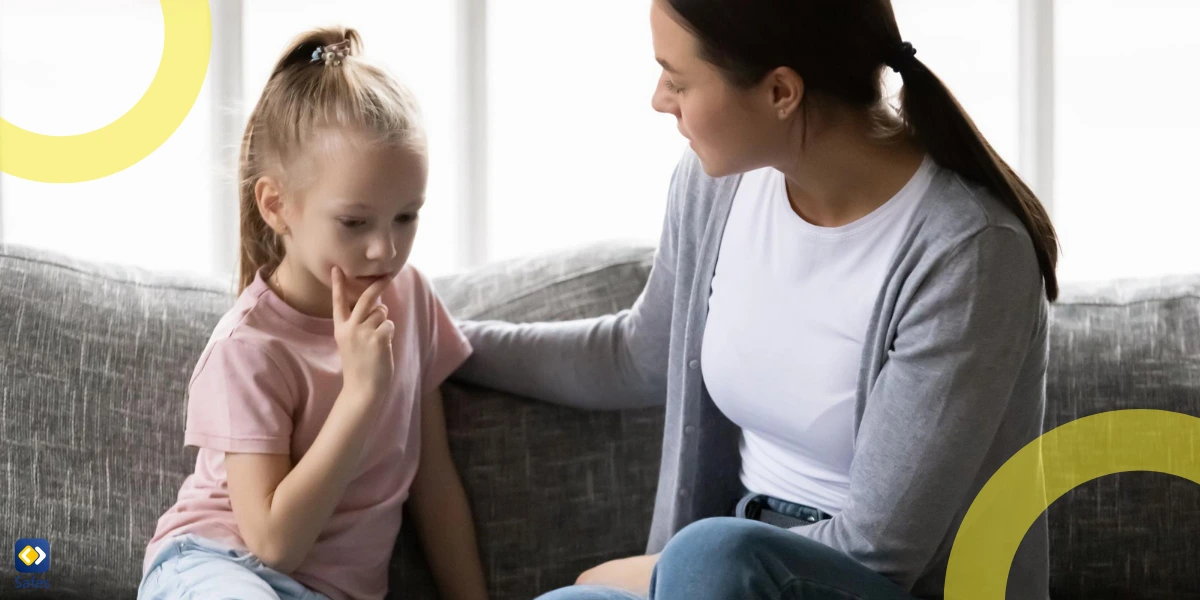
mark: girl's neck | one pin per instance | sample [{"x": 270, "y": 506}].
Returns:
[{"x": 297, "y": 287}]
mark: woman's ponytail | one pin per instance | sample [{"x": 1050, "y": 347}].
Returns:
[{"x": 951, "y": 138}]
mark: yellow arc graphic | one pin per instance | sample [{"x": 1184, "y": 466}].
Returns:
[
  {"x": 187, "y": 42},
  {"x": 1073, "y": 454}
]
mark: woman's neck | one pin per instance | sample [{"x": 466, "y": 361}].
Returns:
[{"x": 842, "y": 174}]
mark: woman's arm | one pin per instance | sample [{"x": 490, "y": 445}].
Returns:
[
  {"x": 934, "y": 411},
  {"x": 443, "y": 517},
  {"x": 612, "y": 362}
]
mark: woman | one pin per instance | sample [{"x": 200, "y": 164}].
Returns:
[{"x": 846, "y": 317}]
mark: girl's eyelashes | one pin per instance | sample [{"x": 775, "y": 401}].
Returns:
[
  {"x": 356, "y": 223},
  {"x": 671, "y": 87}
]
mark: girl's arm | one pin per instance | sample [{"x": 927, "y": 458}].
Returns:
[
  {"x": 443, "y": 517},
  {"x": 280, "y": 510}
]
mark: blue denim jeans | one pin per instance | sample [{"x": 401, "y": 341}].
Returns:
[
  {"x": 195, "y": 568},
  {"x": 727, "y": 558}
]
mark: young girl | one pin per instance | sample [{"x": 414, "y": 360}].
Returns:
[{"x": 315, "y": 405}]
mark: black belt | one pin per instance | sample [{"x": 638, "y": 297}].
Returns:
[{"x": 780, "y": 513}]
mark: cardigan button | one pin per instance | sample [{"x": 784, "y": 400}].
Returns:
[{"x": 694, "y": 364}]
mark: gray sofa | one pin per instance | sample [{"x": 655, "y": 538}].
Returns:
[{"x": 94, "y": 359}]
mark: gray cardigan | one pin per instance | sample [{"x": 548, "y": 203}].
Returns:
[{"x": 951, "y": 383}]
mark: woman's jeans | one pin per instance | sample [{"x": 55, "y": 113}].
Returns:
[{"x": 727, "y": 558}]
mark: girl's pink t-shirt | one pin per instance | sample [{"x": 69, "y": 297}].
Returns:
[{"x": 266, "y": 382}]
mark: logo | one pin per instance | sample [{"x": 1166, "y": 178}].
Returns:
[{"x": 32, "y": 555}]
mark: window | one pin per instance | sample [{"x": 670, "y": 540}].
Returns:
[
  {"x": 576, "y": 154},
  {"x": 92, "y": 62},
  {"x": 1126, "y": 203},
  {"x": 572, "y": 151},
  {"x": 972, "y": 47},
  {"x": 71, "y": 66}
]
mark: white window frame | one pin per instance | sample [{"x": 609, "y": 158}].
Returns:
[
  {"x": 1035, "y": 72},
  {"x": 225, "y": 87},
  {"x": 471, "y": 31}
]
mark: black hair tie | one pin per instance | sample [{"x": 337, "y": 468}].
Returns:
[{"x": 902, "y": 58}]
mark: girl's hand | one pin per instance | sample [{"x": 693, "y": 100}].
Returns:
[
  {"x": 364, "y": 337},
  {"x": 632, "y": 574}
]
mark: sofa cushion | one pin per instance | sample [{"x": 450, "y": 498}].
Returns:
[{"x": 94, "y": 361}]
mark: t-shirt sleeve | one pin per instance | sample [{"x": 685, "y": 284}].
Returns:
[
  {"x": 448, "y": 347},
  {"x": 240, "y": 401}
]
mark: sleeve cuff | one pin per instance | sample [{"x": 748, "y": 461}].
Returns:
[
  {"x": 247, "y": 445},
  {"x": 438, "y": 373}
]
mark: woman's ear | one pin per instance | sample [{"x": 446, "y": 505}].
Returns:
[
  {"x": 268, "y": 195},
  {"x": 786, "y": 91}
]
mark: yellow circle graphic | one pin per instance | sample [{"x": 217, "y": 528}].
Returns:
[
  {"x": 187, "y": 41},
  {"x": 1054, "y": 464}
]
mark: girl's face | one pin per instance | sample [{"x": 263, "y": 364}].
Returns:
[
  {"x": 357, "y": 209},
  {"x": 731, "y": 130}
]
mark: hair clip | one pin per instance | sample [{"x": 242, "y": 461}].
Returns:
[{"x": 333, "y": 54}]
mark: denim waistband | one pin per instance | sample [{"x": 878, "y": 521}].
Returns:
[{"x": 753, "y": 505}]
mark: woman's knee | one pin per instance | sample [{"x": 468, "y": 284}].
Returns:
[
  {"x": 715, "y": 543},
  {"x": 724, "y": 532}
]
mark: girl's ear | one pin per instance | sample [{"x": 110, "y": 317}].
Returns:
[{"x": 268, "y": 195}]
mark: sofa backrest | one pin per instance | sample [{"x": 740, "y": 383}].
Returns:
[
  {"x": 1118, "y": 345},
  {"x": 94, "y": 361}
]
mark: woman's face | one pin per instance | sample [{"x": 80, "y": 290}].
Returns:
[{"x": 731, "y": 130}]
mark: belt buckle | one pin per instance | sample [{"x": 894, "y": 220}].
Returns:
[{"x": 751, "y": 506}]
